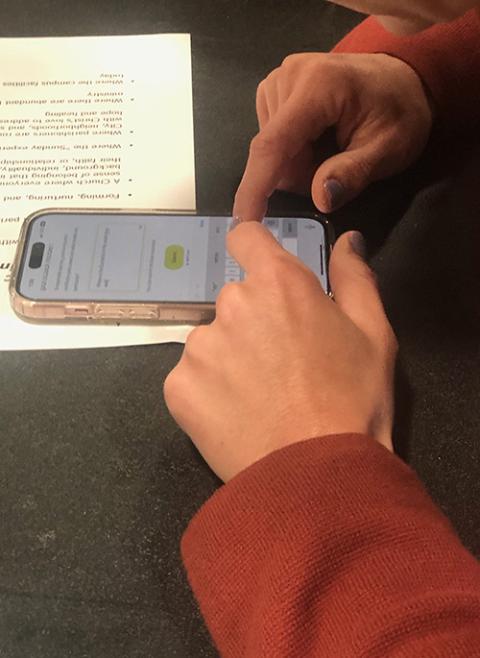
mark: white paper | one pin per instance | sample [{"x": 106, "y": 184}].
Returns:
[{"x": 91, "y": 122}]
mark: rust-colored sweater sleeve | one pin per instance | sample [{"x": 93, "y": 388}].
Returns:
[
  {"x": 332, "y": 548},
  {"x": 446, "y": 57}
]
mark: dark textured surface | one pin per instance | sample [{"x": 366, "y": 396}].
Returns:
[{"x": 96, "y": 482}]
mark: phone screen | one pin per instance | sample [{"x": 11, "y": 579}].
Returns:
[{"x": 128, "y": 257}]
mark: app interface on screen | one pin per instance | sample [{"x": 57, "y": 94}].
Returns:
[{"x": 146, "y": 257}]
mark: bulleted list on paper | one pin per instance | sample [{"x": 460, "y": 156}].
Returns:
[{"x": 91, "y": 122}]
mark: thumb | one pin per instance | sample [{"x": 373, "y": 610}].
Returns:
[
  {"x": 355, "y": 289},
  {"x": 343, "y": 176}
]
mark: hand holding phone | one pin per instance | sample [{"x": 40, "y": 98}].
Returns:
[
  {"x": 110, "y": 265},
  {"x": 283, "y": 362}
]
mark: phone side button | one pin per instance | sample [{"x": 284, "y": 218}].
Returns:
[
  {"x": 143, "y": 314},
  {"x": 109, "y": 312},
  {"x": 76, "y": 311}
]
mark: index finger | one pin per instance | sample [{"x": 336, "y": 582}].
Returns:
[
  {"x": 253, "y": 246},
  {"x": 294, "y": 125}
]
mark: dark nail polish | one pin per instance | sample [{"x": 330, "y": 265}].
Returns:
[
  {"x": 336, "y": 193},
  {"x": 358, "y": 244}
]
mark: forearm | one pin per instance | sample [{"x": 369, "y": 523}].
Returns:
[
  {"x": 331, "y": 547},
  {"x": 446, "y": 57}
]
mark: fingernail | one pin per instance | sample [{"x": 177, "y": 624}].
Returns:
[
  {"x": 335, "y": 192},
  {"x": 358, "y": 244},
  {"x": 234, "y": 223}
]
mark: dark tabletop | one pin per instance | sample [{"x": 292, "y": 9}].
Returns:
[{"x": 97, "y": 483}]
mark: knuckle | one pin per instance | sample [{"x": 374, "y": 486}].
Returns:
[
  {"x": 171, "y": 387},
  {"x": 263, "y": 87},
  {"x": 321, "y": 66},
  {"x": 316, "y": 67},
  {"x": 296, "y": 59},
  {"x": 263, "y": 144},
  {"x": 228, "y": 302},
  {"x": 195, "y": 339},
  {"x": 268, "y": 81},
  {"x": 178, "y": 387},
  {"x": 290, "y": 60}
]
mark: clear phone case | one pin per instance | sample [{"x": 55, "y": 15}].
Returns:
[
  {"x": 115, "y": 311},
  {"x": 104, "y": 311}
]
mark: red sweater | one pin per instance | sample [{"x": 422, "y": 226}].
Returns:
[
  {"x": 331, "y": 547},
  {"x": 446, "y": 57}
]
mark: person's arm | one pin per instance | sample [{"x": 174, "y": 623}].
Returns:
[
  {"x": 328, "y": 547},
  {"x": 370, "y": 90},
  {"x": 446, "y": 57},
  {"x": 331, "y": 547}
]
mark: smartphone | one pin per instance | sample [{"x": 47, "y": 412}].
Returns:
[{"x": 122, "y": 266}]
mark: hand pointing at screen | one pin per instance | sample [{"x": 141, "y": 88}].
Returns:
[{"x": 377, "y": 105}]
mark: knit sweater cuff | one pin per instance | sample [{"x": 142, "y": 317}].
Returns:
[{"x": 446, "y": 57}]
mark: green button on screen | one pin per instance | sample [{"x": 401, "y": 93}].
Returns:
[{"x": 174, "y": 257}]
